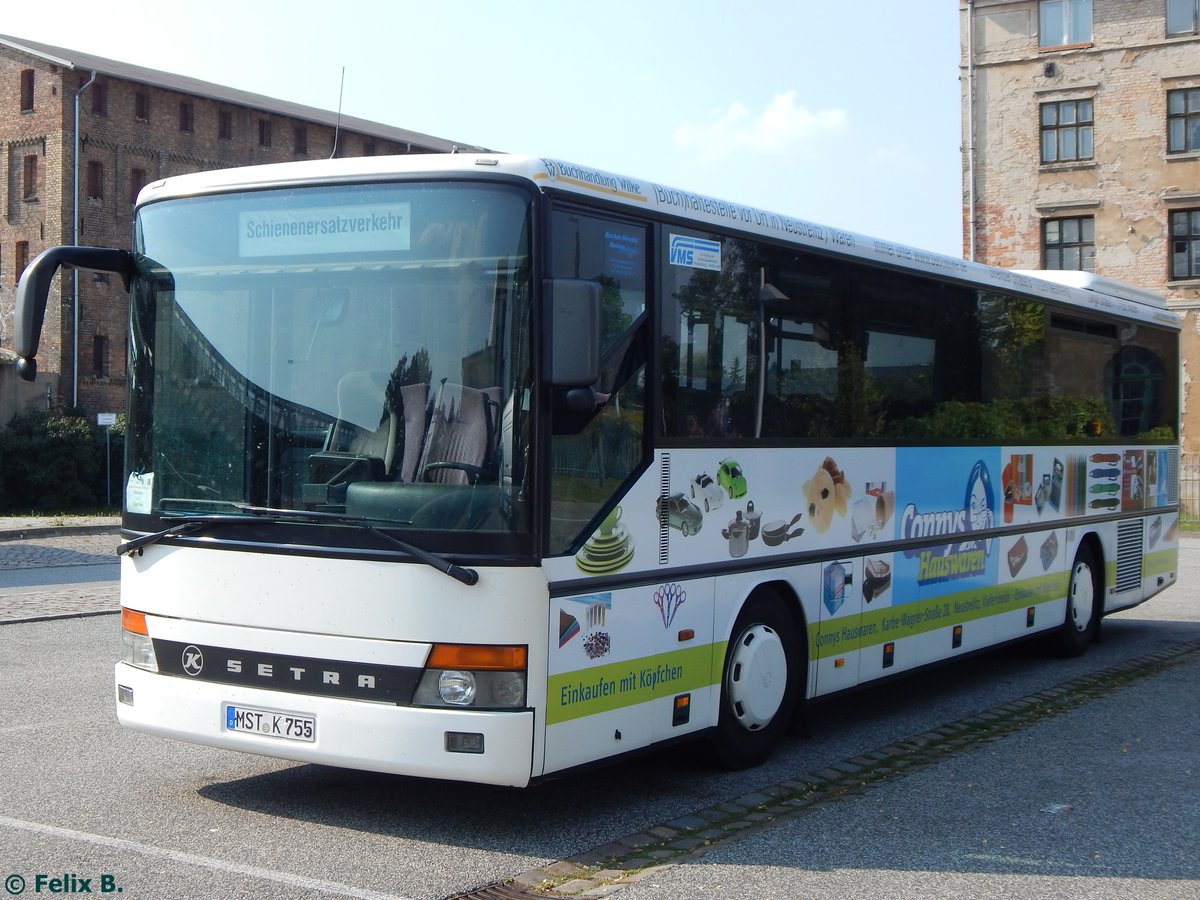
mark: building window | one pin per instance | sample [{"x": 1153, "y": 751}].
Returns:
[
  {"x": 264, "y": 132},
  {"x": 1183, "y": 16},
  {"x": 95, "y": 179},
  {"x": 1185, "y": 243},
  {"x": 29, "y": 178},
  {"x": 1064, "y": 22},
  {"x": 1066, "y": 131},
  {"x": 99, "y": 356},
  {"x": 300, "y": 141},
  {"x": 368, "y": 147},
  {"x": 187, "y": 121},
  {"x": 22, "y": 260},
  {"x": 1183, "y": 120},
  {"x": 27, "y": 90},
  {"x": 99, "y": 99},
  {"x": 1069, "y": 244},
  {"x": 141, "y": 106},
  {"x": 137, "y": 181},
  {"x": 225, "y": 125}
]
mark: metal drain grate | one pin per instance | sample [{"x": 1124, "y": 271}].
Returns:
[{"x": 506, "y": 891}]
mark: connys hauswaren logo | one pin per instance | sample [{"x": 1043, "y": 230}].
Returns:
[{"x": 967, "y": 556}]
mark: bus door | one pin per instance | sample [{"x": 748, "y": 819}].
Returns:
[{"x": 627, "y": 667}]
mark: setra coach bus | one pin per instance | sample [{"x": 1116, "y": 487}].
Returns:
[{"x": 486, "y": 468}]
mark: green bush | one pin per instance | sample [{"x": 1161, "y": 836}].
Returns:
[{"x": 54, "y": 462}]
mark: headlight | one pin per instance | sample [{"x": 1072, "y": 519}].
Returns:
[
  {"x": 474, "y": 676},
  {"x": 138, "y": 650},
  {"x": 136, "y": 646},
  {"x": 475, "y": 690},
  {"x": 456, "y": 688}
]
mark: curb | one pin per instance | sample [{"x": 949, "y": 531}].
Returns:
[{"x": 41, "y": 531}]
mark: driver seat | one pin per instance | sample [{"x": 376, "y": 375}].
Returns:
[{"x": 461, "y": 438}]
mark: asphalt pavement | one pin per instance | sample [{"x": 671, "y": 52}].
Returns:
[{"x": 1088, "y": 788}]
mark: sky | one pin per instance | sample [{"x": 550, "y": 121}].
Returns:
[{"x": 846, "y": 114}]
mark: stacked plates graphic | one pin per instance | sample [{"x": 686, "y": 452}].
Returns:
[{"x": 604, "y": 554}]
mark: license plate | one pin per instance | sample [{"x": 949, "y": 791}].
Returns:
[{"x": 285, "y": 725}]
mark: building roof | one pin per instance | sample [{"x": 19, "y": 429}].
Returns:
[{"x": 73, "y": 59}]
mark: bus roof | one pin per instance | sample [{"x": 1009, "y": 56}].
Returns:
[{"x": 1075, "y": 288}]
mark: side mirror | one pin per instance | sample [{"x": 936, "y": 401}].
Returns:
[
  {"x": 572, "y": 330},
  {"x": 33, "y": 289}
]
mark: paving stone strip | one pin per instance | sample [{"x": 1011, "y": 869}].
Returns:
[{"x": 604, "y": 870}]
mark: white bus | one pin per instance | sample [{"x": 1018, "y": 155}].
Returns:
[{"x": 486, "y": 468}]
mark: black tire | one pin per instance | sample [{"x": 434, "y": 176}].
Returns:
[
  {"x": 684, "y": 529},
  {"x": 1081, "y": 622},
  {"x": 759, "y": 684}
]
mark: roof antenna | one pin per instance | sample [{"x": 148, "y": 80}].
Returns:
[{"x": 338, "y": 127}]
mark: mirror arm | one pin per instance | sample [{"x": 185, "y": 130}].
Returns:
[{"x": 33, "y": 290}]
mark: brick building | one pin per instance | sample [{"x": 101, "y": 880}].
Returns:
[
  {"x": 1081, "y": 139},
  {"x": 132, "y": 126}
]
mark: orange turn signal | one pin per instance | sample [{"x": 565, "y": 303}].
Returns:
[
  {"x": 132, "y": 620},
  {"x": 488, "y": 657}
]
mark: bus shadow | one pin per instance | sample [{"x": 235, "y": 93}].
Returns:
[{"x": 561, "y": 818}]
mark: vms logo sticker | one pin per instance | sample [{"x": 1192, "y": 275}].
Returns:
[{"x": 695, "y": 253}]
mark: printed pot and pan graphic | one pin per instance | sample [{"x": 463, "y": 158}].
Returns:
[
  {"x": 738, "y": 535},
  {"x": 754, "y": 520},
  {"x": 775, "y": 533}
]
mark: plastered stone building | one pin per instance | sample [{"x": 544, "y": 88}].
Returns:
[
  {"x": 79, "y": 132},
  {"x": 1081, "y": 147}
]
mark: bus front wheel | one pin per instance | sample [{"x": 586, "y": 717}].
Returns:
[
  {"x": 1082, "y": 620},
  {"x": 760, "y": 682}
]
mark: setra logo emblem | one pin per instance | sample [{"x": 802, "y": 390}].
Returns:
[{"x": 193, "y": 660}]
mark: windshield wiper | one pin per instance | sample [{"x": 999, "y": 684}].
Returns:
[
  {"x": 460, "y": 573},
  {"x": 185, "y": 525},
  {"x": 192, "y": 524}
]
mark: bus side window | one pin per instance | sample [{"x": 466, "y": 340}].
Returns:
[{"x": 710, "y": 336}]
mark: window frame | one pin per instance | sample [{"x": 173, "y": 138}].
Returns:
[
  {"x": 29, "y": 177},
  {"x": 187, "y": 117},
  {"x": 1062, "y": 245},
  {"x": 95, "y": 179},
  {"x": 1192, "y": 241},
  {"x": 28, "y": 84},
  {"x": 99, "y": 356},
  {"x": 1059, "y": 130},
  {"x": 1181, "y": 8},
  {"x": 21, "y": 260},
  {"x": 1189, "y": 116},
  {"x": 1070, "y": 11},
  {"x": 138, "y": 179},
  {"x": 99, "y": 92}
]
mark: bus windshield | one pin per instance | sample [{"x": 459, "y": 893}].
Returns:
[{"x": 361, "y": 350}]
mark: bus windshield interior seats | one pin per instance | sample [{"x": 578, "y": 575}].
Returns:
[
  {"x": 459, "y": 446},
  {"x": 366, "y": 425},
  {"x": 361, "y": 444},
  {"x": 414, "y": 412}
]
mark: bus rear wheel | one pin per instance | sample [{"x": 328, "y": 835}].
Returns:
[
  {"x": 760, "y": 682},
  {"x": 1082, "y": 620}
]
